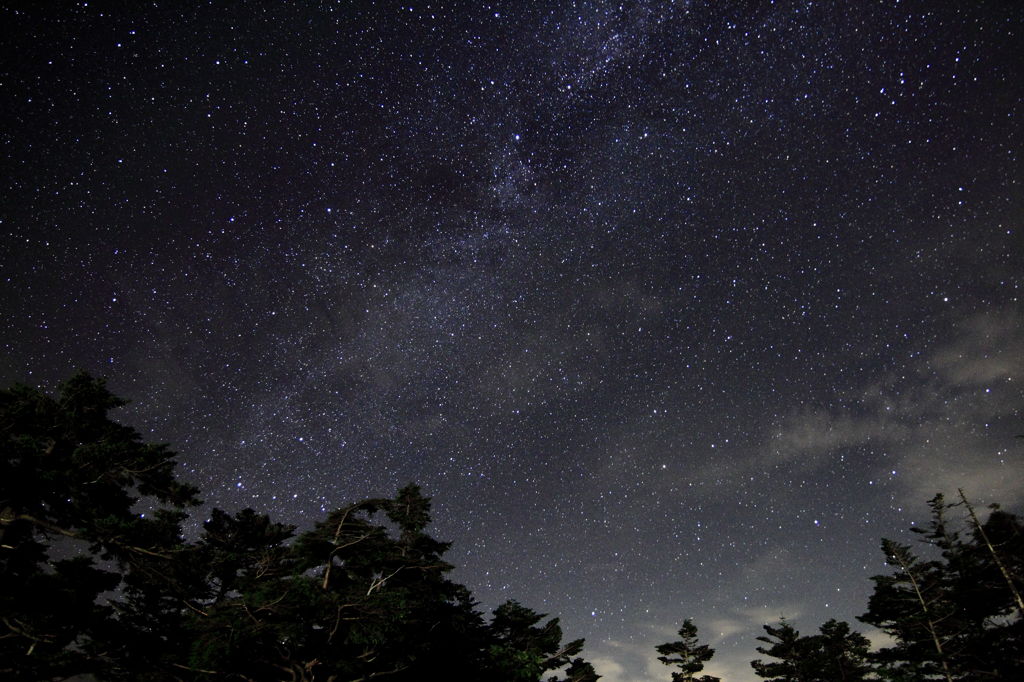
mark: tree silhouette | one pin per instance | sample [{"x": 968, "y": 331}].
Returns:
[
  {"x": 955, "y": 617},
  {"x": 835, "y": 654},
  {"x": 686, "y": 654},
  {"x": 364, "y": 594},
  {"x": 793, "y": 662},
  {"x": 522, "y": 649},
  {"x": 97, "y": 579},
  {"x": 70, "y": 479},
  {"x": 842, "y": 654}
]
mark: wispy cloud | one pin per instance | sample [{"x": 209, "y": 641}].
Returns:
[
  {"x": 987, "y": 348},
  {"x": 613, "y": 659},
  {"x": 810, "y": 433},
  {"x": 945, "y": 421}
]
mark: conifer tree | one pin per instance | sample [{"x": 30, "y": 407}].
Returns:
[
  {"x": 686, "y": 654},
  {"x": 791, "y": 652},
  {"x": 364, "y": 594},
  {"x": 842, "y": 654},
  {"x": 70, "y": 479},
  {"x": 955, "y": 617},
  {"x": 523, "y": 649},
  {"x": 835, "y": 654}
]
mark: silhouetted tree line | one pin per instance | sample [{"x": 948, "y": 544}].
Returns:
[
  {"x": 89, "y": 585},
  {"x": 955, "y": 617}
]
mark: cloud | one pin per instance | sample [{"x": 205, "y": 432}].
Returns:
[
  {"x": 944, "y": 421},
  {"x": 720, "y": 628},
  {"x": 752, "y": 618},
  {"x": 608, "y": 668},
  {"x": 612, "y": 658},
  {"x": 988, "y": 347},
  {"x": 952, "y": 456},
  {"x": 810, "y": 433}
]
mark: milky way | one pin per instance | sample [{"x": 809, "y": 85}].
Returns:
[{"x": 674, "y": 308}]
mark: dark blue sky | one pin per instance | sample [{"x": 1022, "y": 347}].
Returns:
[{"x": 676, "y": 308}]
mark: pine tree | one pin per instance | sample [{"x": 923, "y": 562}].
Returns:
[
  {"x": 364, "y": 594},
  {"x": 578, "y": 671},
  {"x": 836, "y": 654},
  {"x": 686, "y": 654},
  {"x": 522, "y": 649},
  {"x": 842, "y": 654},
  {"x": 1010, "y": 573},
  {"x": 70, "y": 480},
  {"x": 792, "y": 653},
  {"x": 956, "y": 617},
  {"x": 915, "y": 606}
]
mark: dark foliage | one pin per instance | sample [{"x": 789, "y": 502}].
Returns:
[
  {"x": 90, "y": 584},
  {"x": 362, "y": 595},
  {"x": 955, "y": 617},
  {"x": 69, "y": 482},
  {"x": 687, "y": 655},
  {"x": 836, "y": 653}
]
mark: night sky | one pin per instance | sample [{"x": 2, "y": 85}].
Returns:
[{"x": 675, "y": 308}]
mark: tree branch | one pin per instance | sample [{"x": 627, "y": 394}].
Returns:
[{"x": 992, "y": 550}]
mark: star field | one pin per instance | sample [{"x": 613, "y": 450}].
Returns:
[{"x": 675, "y": 308}]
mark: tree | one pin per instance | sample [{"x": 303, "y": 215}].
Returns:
[
  {"x": 997, "y": 647},
  {"x": 835, "y": 654},
  {"x": 363, "y": 594},
  {"x": 914, "y": 606},
  {"x": 955, "y": 617},
  {"x": 91, "y": 585},
  {"x": 842, "y": 654},
  {"x": 356, "y": 598},
  {"x": 524, "y": 650},
  {"x": 686, "y": 654},
  {"x": 793, "y": 663},
  {"x": 243, "y": 562},
  {"x": 70, "y": 480},
  {"x": 578, "y": 671},
  {"x": 1010, "y": 576},
  {"x": 239, "y": 550}
]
